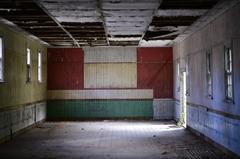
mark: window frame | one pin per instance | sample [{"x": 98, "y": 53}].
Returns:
[
  {"x": 209, "y": 73},
  {"x": 39, "y": 66},
  {"x": 2, "y": 73},
  {"x": 228, "y": 99},
  {"x": 178, "y": 75},
  {"x": 28, "y": 66},
  {"x": 188, "y": 80}
]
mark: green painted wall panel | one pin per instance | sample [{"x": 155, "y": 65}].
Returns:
[{"x": 58, "y": 109}]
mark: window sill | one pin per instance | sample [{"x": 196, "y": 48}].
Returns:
[
  {"x": 187, "y": 94},
  {"x": 210, "y": 97},
  {"x": 229, "y": 101}
]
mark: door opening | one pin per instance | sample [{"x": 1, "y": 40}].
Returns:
[{"x": 183, "y": 100}]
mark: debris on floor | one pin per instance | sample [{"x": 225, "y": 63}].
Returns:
[{"x": 120, "y": 139}]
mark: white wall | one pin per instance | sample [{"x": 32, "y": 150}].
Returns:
[{"x": 215, "y": 118}]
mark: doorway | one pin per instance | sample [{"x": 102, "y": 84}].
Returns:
[{"x": 183, "y": 99}]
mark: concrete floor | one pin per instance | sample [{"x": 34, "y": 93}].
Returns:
[{"x": 109, "y": 139}]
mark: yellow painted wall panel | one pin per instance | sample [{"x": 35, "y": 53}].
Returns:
[
  {"x": 118, "y": 75},
  {"x": 14, "y": 91}
]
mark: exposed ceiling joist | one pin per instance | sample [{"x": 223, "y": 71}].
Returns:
[
  {"x": 180, "y": 12},
  {"x": 99, "y": 7},
  {"x": 154, "y": 12},
  {"x": 188, "y": 4},
  {"x": 104, "y": 22},
  {"x": 69, "y": 34}
]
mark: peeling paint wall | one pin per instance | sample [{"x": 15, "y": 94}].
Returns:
[
  {"x": 108, "y": 88},
  {"x": 21, "y": 104},
  {"x": 111, "y": 75},
  {"x": 214, "y": 118}
]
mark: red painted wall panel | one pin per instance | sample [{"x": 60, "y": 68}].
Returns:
[
  {"x": 155, "y": 70},
  {"x": 65, "y": 55},
  {"x": 154, "y": 54},
  {"x": 65, "y": 68}
]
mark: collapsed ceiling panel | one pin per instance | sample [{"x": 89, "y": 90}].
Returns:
[
  {"x": 128, "y": 17},
  {"x": 174, "y": 16},
  {"x": 81, "y": 18},
  {"x": 73, "y": 11},
  {"x": 188, "y": 4},
  {"x": 30, "y": 17},
  {"x": 105, "y": 22}
]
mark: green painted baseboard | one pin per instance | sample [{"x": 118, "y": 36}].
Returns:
[{"x": 77, "y": 109}]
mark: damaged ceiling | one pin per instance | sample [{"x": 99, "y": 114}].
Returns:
[{"x": 104, "y": 22}]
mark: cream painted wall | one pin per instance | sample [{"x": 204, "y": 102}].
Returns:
[
  {"x": 110, "y": 67},
  {"x": 118, "y": 75},
  {"x": 101, "y": 94}
]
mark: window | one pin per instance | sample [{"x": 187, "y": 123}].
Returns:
[
  {"x": 178, "y": 75},
  {"x": 209, "y": 74},
  {"x": 228, "y": 73},
  {"x": 28, "y": 65},
  {"x": 39, "y": 66},
  {"x": 1, "y": 59},
  {"x": 188, "y": 80}
]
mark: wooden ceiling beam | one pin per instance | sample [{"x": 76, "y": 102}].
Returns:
[{"x": 55, "y": 20}]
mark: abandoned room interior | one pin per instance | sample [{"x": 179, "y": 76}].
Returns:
[{"x": 120, "y": 79}]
